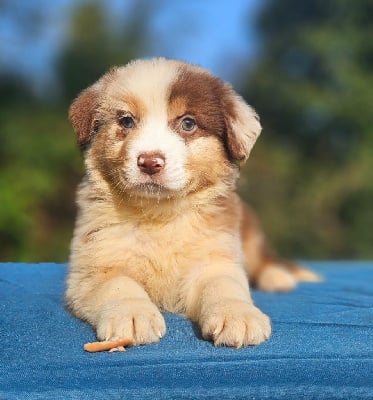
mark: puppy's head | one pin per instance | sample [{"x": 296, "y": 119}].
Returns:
[{"x": 163, "y": 128}]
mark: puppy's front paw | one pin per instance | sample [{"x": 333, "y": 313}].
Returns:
[
  {"x": 235, "y": 324},
  {"x": 137, "y": 320}
]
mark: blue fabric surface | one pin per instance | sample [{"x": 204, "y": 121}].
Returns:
[{"x": 321, "y": 347}]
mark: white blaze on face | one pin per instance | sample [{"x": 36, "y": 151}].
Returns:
[
  {"x": 150, "y": 84},
  {"x": 157, "y": 138}
]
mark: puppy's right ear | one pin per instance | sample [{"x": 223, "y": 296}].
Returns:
[{"x": 82, "y": 114}]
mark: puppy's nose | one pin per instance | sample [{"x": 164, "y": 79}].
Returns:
[{"x": 151, "y": 163}]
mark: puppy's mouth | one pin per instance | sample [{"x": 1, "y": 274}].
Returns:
[
  {"x": 151, "y": 186},
  {"x": 151, "y": 190}
]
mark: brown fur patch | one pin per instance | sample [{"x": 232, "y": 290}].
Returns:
[
  {"x": 102, "y": 154},
  {"x": 81, "y": 115},
  {"x": 213, "y": 104},
  {"x": 199, "y": 95}
]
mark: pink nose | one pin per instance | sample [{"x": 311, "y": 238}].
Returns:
[{"x": 151, "y": 163}]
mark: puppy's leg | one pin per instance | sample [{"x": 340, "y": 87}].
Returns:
[
  {"x": 275, "y": 275},
  {"x": 119, "y": 308},
  {"x": 267, "y": 271},
  {"x": 218, "y": 298}
]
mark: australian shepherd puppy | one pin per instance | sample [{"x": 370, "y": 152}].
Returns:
[{"x": 159, "y": 226}]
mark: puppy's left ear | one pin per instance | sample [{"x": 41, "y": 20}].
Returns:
[{"x": 243, "y": 126}]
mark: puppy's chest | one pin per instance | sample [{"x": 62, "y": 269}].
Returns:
[
  {"x": 158, "y": 257},
  {"x": 145, "y": 249}
]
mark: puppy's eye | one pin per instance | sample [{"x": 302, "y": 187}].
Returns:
[
  {"x": 188, "y": 124},
  {"x": 127, "y": 122}
]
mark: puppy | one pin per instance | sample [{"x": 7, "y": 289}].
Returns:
[{"x": 159, "y": 226}]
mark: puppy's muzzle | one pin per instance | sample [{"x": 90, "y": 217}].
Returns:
[{"x": 151, "y": 163}]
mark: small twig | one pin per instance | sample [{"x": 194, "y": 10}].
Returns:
[{"x": 106, "y": 345}]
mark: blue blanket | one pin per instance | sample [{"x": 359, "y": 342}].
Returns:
[{"x": 321, "y": 347}]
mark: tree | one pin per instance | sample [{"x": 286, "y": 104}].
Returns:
[{"x": 310, "y": 176}]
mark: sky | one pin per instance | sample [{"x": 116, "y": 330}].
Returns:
[{"x": 210, "y": 33}]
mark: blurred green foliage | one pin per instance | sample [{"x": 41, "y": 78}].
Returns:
[
  {"x": 309, "y": 176},
  {"x": 40, "y": 165}
]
